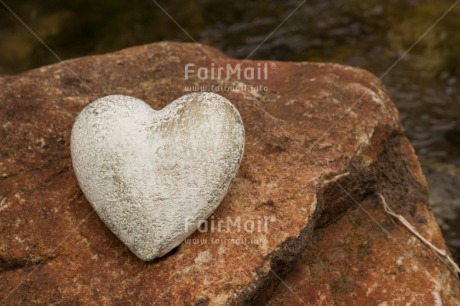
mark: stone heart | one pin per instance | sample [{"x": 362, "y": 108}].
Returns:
[{"x": 152, "y": 176}]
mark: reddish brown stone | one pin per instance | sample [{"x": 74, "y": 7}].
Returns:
[
  {"x": 300, "y": 141},
  {"x": 366, "y": 258}
]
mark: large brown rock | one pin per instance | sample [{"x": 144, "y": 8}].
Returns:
[
  {"x": 318, "y": 128},
  {"x": 364, "y": 258}
]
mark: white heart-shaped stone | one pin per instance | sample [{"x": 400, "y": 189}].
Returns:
[{"x": 152, "y": 176}]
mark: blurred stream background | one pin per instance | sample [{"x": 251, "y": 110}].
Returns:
[{"x": 367, "y": 34}]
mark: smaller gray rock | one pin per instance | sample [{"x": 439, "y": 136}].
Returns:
[{"x": 152, "y": 176}]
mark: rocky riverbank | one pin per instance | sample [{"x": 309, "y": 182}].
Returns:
[{"x": 321, "y": 141}]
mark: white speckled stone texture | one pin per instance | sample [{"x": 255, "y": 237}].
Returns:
[{"x": 152, "y": 175}]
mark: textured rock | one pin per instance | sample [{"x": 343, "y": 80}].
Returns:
[
  {"x": 365, "y": 258},
  {"x": 317, "y": 125},
  {"x": 154, "y": 176}
]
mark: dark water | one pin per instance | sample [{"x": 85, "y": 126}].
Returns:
[{"x": 367, "y": 34}]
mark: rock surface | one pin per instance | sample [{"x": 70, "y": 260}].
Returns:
[
  {"x": 317, "y": 128},
  {"x": 364, "y": 258}
]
